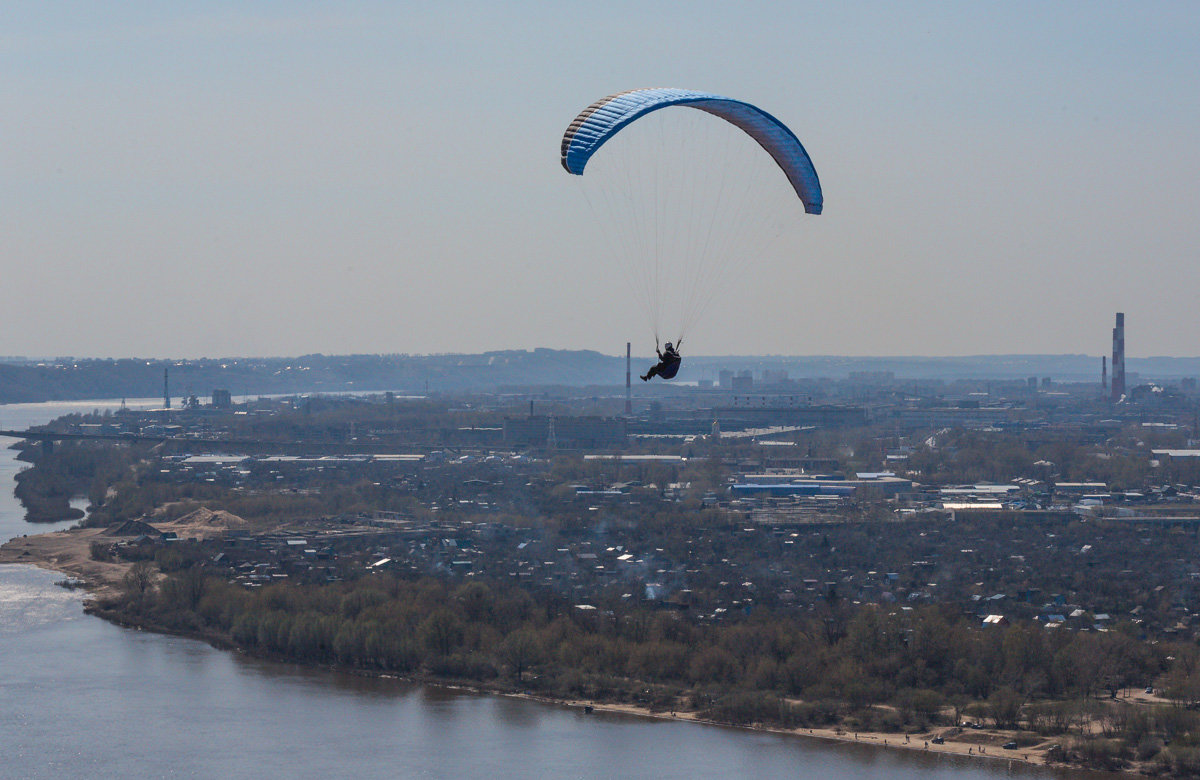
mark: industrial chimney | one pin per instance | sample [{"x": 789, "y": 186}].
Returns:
[{"x": 1118, "y": 359}]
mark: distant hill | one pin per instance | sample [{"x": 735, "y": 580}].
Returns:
[
  {"x": 1062, "y": 368},
  {"x": 26, "y": 381},
  {"x": 406, "y": 374}
]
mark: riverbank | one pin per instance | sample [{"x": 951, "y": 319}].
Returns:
[
  {"x": 73, "y": 685},
  {"x": 69, "y": 552},
  {"x": 982, "y": 743}
]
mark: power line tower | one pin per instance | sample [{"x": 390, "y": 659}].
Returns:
[{"x": 628, "y": 382}]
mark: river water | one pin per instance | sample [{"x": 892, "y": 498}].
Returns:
[{"x": 80, "y": 697}]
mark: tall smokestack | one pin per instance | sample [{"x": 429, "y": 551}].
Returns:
[
  {"x": 1118, "y": 359},
  {"x": 1104, "y": 372},
  {"x": 166, "y": 394},
  {"x": 628, "y": 380}
]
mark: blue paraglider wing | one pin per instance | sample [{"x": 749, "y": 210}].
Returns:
[{"x": 603, "y": 119}]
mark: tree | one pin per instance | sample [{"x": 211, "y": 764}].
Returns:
[
  {"x": 441, "y": 632},
  {"x": 713, "y": 665},
  {"x": 185, "y": 589},
  {"x": 520, "y": 650},
  {"x": 139, "y": 578},
  {"x": 1004, "y": 708}
]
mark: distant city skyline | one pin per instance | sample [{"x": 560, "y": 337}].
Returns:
[{"x": 184, "y": 180}]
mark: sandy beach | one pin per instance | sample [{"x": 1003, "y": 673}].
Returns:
[
  {"x": 69, "y": 552},
  {"x": 981, "y": 743}
]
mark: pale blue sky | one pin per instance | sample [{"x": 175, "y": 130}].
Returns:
[{"x": 186, "y": 179}]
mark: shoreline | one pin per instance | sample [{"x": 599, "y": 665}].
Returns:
[
  {"x": 68, "y": 552},
  {"x": 1033, "y": 756}
]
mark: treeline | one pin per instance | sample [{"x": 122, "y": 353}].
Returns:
[
  {"x": 121, "y": 482},
  {"x": 147, "y": 496},
  {"x": 137, "y": 378},
  {"x": 67, "y": 471},
  {"x": 1123, "y": 462},
  {"x": 865, "y": 668}
]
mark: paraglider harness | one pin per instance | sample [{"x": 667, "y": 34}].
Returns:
[{"x": 668, "y": 362}]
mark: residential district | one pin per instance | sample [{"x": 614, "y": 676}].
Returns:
[{"x": 999, "y": 503}]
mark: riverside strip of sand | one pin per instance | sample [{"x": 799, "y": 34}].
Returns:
[
  {"x": 982, "y": 743},
  {"x": 70, "y": 552}
]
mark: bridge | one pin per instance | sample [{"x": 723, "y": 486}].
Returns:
[{"x": 56, "y": 436}]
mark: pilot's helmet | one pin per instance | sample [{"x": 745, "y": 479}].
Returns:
[{"x": 669, "y": 345}]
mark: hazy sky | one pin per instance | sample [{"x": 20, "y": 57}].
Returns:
[{"x": 275, "y": 178}]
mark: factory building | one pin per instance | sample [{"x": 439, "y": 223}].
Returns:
[
  {"x": 883, "y": 485},
  {"x": 568, "y": 432},
  {"x": 750, "y": 410}
]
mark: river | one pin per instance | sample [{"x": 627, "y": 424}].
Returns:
[{"x": 80, "y": 697}]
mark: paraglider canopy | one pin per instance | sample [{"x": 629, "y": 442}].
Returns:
[
  {"x": 685, "y": 196},
  {"x": 600, "y": 121}
]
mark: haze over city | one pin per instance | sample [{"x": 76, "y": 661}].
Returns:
[{"x": 184, "y": 180}]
